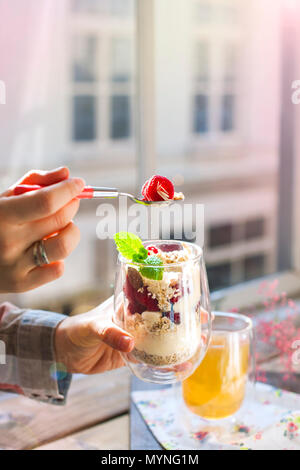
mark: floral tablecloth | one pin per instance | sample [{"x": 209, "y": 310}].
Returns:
[{"x": 268, "y": 420}]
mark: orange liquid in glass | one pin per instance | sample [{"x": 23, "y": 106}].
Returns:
[{"x": 216, "y": 390}]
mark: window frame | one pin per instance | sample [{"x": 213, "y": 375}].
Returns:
[{"x": 217, "y": 88}]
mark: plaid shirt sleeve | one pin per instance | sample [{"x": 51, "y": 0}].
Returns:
[{"x": 27, "y": 355}]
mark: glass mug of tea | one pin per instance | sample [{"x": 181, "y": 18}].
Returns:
[
  {"x": 165, "y": 307},
  {"x": 217, "y": 388}
]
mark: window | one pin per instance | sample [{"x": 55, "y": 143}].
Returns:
[
  {"x": 102, "y": 82},
  {"x": 84, "y": 118},
  {"x": 227, "y": 123},
  {"x": 201, "y": 99},
  {"x": 254, "y": 267},
  {"x": 121, "y": 60},
  {"x": 85, "y": 59},
  {"x": 121, "y": 73},
  {"x": 220, "y": 236},
  {"x": 219, "y": 276},
  {"x": 228, "y": 105},
  {"x": 226, "y": 234},
  {"x": 201, "y": 116},
  {"x": 216, "y": 67},
  {"x": 254, "y": 229},
  {"x": 120, "y": 117},
  {"x": 226, "y": 274}
]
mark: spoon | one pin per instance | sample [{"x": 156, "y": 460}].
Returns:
[{"x": 94, "y": 192}]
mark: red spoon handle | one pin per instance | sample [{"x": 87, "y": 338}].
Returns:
[{"x": 87, "y": 193}]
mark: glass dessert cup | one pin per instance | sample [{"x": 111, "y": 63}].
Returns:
[
  {"x": 168, "y": 314},
  {"x": 217, "y": 388}
]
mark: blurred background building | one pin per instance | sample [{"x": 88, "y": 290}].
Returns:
[{"x": 71, "y": 72}]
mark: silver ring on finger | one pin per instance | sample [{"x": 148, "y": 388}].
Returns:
[
  {"x": 39, "y": 254},
  {"x": 43, "y": 254}
]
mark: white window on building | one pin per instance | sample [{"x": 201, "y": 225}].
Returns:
[
  {"x": 202, "y": 91},
  {"x": 228, "y": 97},
  {"x": 121, "y": 76},
  {"x": 84, "y": 78},
  {"x": 217, "y": 33},
  {"x": 85, "y": 49},
  {"x": 102, "y": 84}
]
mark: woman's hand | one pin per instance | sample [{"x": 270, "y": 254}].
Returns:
[
  {"x": 90, "y": 343},
  {"x": 32, "y": 217}
]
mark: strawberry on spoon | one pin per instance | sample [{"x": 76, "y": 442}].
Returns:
[{"x": 160, "y": 188}]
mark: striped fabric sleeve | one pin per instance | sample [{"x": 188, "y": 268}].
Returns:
[{"x": 27, "y": 355}]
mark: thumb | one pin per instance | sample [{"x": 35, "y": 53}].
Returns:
[{"x": 113, "y": 336}]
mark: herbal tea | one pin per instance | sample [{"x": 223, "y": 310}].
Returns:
[{"x": 217, "y": 388}]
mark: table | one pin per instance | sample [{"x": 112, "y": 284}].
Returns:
[
  {"x": 143, "y": 439},
  {"x": 96, "y": 416}
]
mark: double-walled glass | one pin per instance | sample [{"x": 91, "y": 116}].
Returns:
[
  {"x": 217, "y": 388},
  {"x": 169, "y": 319}
]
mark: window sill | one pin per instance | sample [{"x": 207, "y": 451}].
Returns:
[{"x": 246, "y": 295}]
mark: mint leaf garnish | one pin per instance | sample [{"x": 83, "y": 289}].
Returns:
[
  {"x": 151, "y": 271},
  {"x": 129, "y": 245},
  {"x": 143, "y": 252},
  {"x": 137, "y": 258}
]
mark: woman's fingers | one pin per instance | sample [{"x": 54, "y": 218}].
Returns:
[
  {"x": 57, "y": 248},
  {"x": 55, "y": 223},
  {"x": 43, "y": 275},
  {"x": 45, "y": 178},
  {"x": 113, "y": 336},
  {"x": 61, "y": 246},
  {"x": 41, "y": 203}
]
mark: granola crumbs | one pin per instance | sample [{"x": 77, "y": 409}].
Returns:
[
  {"x": 163, "y": 325},
  {"x": 173, "y": 257},
  {"x": 178, "y": 196},
  {"x": 162, "y": 291},
  {"x": 158, "y": 360},
  {"x": 134, "y": 321}
]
